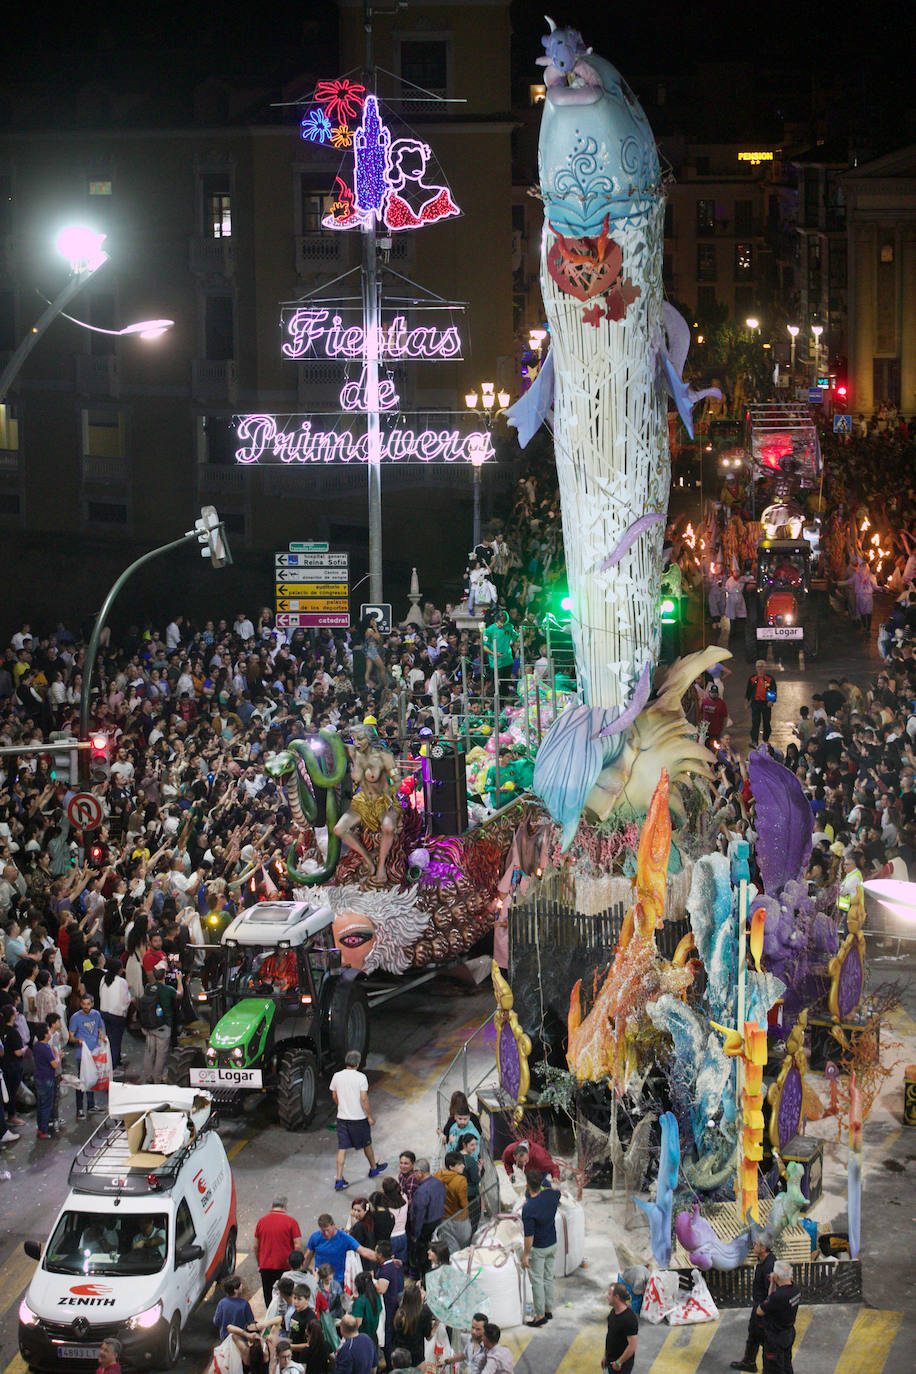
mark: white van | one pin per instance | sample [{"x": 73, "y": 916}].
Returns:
[{"x": 149, "y": 1224}]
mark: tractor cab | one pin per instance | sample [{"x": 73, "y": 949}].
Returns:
[{"x": 784, "y": 609}]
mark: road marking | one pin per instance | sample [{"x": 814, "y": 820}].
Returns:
[
  {"x": 684, "y": 1348},
  {"x": 868, "y": 1343},
  {"x": 802, "y": 1322},
  {"x": 15, "y": 1274},
  {"x": 17, "y": 1365},
  {"x": 586, "y": 1351},
  {"x": 238, "y": 1147},
  {"x": 240, "y": 1258},
  {"x": 518, "y": 1341}
]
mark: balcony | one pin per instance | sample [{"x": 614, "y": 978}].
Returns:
[
  {"x": 214, "y": 381},
  {"x": 105, "y": 472},
  {"x": 98, "y": 376},
  {"x": 224, "y": 483},
  {"x": 322, "y": 252},
  {"x": 9, "y": 462},
  {"x": 212, "y": 257}
]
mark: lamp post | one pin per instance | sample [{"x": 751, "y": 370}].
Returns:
[
  {"x": 753, "y": 324},
  {"x": 817, "y": 330},
  {"x": 83, "y": 250},
  {"x": 793, "y": 335},
  {"x": 488, "y": 399}
]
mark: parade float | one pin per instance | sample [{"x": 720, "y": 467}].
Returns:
[{"x": 653, "y": 1000}]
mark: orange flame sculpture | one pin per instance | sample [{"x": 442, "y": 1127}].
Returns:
[{"x": 751, "y": 1047}]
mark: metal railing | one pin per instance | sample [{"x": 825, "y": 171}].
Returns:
[{"x": 457, "y": 1076}]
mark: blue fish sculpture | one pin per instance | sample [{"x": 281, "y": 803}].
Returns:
[{"x": 659, "y": 1211}]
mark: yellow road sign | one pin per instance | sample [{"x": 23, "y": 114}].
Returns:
[
  {"x": 322, "y": 589},
  {"x": 286, "y": 604}
]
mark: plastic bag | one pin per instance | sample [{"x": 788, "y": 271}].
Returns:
[
  {"x": 226, "y": 1358},
  {"x": 660, "y": 1296},
  {"x": 353, "y": 1265},
  {"x": 329, "y": 1330},
  {"x": 101, "y": 1058},
  {"x": 88, "y": 1073},
  {"x": 438, "y": 1346},
  {"x": 695, "y": 1306}
]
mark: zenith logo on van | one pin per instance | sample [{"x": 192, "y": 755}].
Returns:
[{"x": 87, "y": 1295}]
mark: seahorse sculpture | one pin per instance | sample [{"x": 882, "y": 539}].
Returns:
[
  {"x": 788, "y": 1206},
  {"x": 297, "y": 765}
]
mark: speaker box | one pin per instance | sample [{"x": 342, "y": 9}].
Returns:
[{"x": 448, "y": 789}]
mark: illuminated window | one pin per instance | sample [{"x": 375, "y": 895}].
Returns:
[
  {"x": 218, "y": 443},
  {"x": 100, "y": 188},
  {"x": 103, "y": 434},
  {"x": 314, "y": 202},
  {"x": 706, "y": 262},
  {"x": 9, "y": 428},
  {"x": 217, "y": 205},
  {"x": 537, "y": 94},
  {"x": 706, "y": 217},
  {"x": 744, "y": 261}
]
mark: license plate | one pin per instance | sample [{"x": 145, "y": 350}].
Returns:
[
  {"x": 78, "y": 1352},
  {"x": 226, "y": 1078},
  {"x": 781, "y": 632}
]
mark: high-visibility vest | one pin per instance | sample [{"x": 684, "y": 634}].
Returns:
[{"x": 844, "y": 901}]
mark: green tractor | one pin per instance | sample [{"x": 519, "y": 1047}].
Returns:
[{"x": 285, "y": 1013}]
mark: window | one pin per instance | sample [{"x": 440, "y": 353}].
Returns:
[
  {"x": 706, "y": 262},
  {"x": 6, "y": 203},
  {"x": 10, "y": 503},
  {"x": 706, "y": 217},
  {"x": 812, "y": 198},
  {"x": 424, "y": 62},
  {"x": 9, "y": 427},
  {"x": 106, "y": 513},
  {"x": 234, "y": 522},
  {"x": 219, "y": 329},
  {"x": 314, "y": 202},
  {"x": 219, "y": 440},
  {"x": 706, "y": 299},
  {"x": 744, "y": 261},
  {"x": 103, "y": 434},
  {"x": 745, "y": 301},
  {"x": 744, "y": 214},
  {"x": 702, "y": 165},
  {"x": 7, "y": 321},
  {"x": 100, "y": 188},
  {"x": 217, "y": 205},
  {"x": 184, "y": 1225},
  {"x": 838, "y": 267}
]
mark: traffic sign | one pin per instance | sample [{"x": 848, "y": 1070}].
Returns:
[
  {"x": 815, "y": 396},
  {"x": 316, "y": 546},
  {"x": 842, "y": 424},
  {"x": 311, "y": 574},
  {"x": 84, "y": 811},
  {"x": 300, "y": 621},
  {"x": 382, "y": 612},
  {"x": 311, "y": 560},
  {"x": 322, "y": 589},
  {"x": 295, "y": 603}
]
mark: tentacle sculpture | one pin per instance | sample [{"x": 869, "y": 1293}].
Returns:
[{"x": 297, "y": 765}]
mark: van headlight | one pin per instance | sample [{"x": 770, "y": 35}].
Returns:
[
  {"x": 144, "y": 1320},
  {"x": 26, "y": 1315}
]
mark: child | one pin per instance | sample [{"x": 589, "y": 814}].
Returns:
[
  {"x": 329, "y": 1295},
  {"x": 468, "y": 1147}
]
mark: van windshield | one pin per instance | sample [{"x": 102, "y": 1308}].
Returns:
[{"x": 108, "y": 1243}]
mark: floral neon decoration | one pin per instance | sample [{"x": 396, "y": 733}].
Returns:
[{"x": 390, "y": 175}]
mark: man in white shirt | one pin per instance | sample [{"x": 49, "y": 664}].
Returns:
[
  {"x": 243, "y": 627},
  {"x": 350, "y": 1091},
  {"x": 173, "y": 633},
  {"x": 122, "y": 768}
]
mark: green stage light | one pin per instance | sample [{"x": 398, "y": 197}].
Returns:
[
  {"x": 566, "y": 603},
  {"x": 669, "y": 611}
]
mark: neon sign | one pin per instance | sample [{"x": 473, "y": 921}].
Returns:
[
  {"x": 319, "y": 333},
  {"x": 264, "y": 439},
  {"x": 755, "y": 158},
  {"x": 389, "y": 182}
]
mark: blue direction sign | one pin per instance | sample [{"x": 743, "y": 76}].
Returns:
[{"x": 815, "y": 396}]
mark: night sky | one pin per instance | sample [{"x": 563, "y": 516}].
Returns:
[{"x": 863, "y": 64}]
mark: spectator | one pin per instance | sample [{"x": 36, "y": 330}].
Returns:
[
  {"x": 350, "y": 1091},
  {"x": 539, "y": 1225},
  {"x": 426, "y": 1210},
  {"x": 275, "y": 1235}
]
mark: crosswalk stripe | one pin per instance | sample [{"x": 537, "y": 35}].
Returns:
[
  {"x": 240, "y": 1257},
  {"x": 683, "y": 1349},
  {"x": 802, "y": 1322},
  {"x": 17, "y": 1365},
  {"x": 518, "y": 1341},
  {"x": 15, "y": 1274},
  {"x": 586, "y": 1351},
  {"x": 868, "y": 1343}
]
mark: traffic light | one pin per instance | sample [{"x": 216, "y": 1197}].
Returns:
[
  {"x": 100, "y": 756},
  {"x": 97, "y": 855},
  {"x": 64, "y": 757},
  {"x": 212, "y": 537}
]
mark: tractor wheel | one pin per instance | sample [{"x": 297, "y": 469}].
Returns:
[
  {"x": 182, "y": 1059},
  {"x": 349, "y": 1022},
  {"x": 297, "y": 1091}
]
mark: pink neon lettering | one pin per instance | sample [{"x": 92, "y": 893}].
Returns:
[
  {"x": 309, "y": 333},
  {"x": 307, "y": 445},
  {"x": 355, "y": 395}
]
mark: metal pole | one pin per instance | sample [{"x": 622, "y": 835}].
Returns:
[
  {"x": 495, "y": 714},
  {"x": 402, "y": 709},
  {"x": 476, "y": 536},
  {"x": 524, "y": 677},
  {"x": 370, "y": 294},
  {"x": 464, "y": 702},
  {"x": 553, "y": 685},
  {"x": 46, "y": 318},
  {"x": 93, "y": 647}
]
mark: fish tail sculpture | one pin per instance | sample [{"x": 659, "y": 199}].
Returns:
[
  {"x": 659, "y": 1211},
  {"x": 705, "y": 1249}
]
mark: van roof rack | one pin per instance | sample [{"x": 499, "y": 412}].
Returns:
[{"x": 105, "y": 1164}]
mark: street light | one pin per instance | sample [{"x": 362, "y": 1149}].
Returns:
[
  {"x": 489, "y": 397},
  {"x": 752, "y": 323},
  {"x": 793, "y": 335},
  {"x": 817, "y": 330}
]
